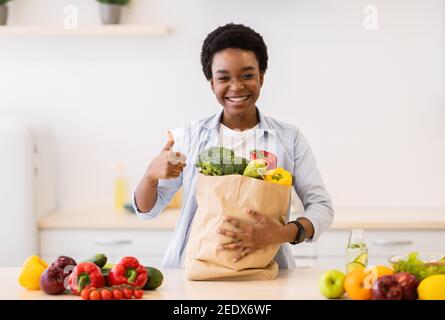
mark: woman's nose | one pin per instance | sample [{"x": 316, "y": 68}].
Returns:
[{"x": 236, "y": 85}]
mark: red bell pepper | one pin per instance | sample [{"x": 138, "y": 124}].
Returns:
[
  {"x": 85, "y": 275},
  {"x": 266, "y": 155},
  {"x": 128, "y": 271}
]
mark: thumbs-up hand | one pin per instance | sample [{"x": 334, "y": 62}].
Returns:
[{"x": 168, "y": 164}]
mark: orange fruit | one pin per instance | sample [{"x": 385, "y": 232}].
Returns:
[
  {"x": 357, "y": 284},
  {"x": 383, "y": 271}
]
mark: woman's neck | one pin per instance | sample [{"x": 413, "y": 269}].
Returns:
[{"x": 240, "y": 122}]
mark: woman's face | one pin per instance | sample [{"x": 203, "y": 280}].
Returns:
[{"x": 236, "y": 80}]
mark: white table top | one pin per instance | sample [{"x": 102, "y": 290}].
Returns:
[{"x": 290, "y": 285}]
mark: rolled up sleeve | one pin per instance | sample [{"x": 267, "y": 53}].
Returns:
[
  {"x": 166, "y": 191},
  {"x": 308, "y": 184}
]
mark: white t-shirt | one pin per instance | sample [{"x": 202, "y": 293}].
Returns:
[{"x": 241, "y": 142}]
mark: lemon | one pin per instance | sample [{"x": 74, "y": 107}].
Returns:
[
  {"x": 354, "y": 265},
  {"x": 363, "y": 259},
  {"x": 432, "y": 288}
]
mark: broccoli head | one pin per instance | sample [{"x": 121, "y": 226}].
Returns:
[{"x": 219, "y": 161}]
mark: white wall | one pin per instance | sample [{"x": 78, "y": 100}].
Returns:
[{"x": 370, "y": 102}]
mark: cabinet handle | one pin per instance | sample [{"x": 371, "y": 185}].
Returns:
[
  {"x": 393, "y": 242},
  {"x": 105, "y": 242},
  {"x": 305, "y": 257}
]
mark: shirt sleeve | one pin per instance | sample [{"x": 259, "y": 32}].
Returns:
[
  {"x": 166, "y": 188},
  {"x": 308, "y": 184},
  {"x": 166, "y": 191}
]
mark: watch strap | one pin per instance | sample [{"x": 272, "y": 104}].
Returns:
[{"x": 300, "y": 232}]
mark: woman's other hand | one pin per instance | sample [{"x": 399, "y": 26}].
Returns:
[{"x": 251, "y": 237}]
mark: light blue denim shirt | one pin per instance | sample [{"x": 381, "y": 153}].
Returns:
[{"x": 293, "y": 154}]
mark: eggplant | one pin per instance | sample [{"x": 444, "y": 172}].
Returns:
[{"x": 52, "y": 280}]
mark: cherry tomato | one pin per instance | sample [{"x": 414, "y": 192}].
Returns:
[
  {"x": 95, "y": 295},
  {"x": 117, "y": 294},
  {"x": 106, "y": 294},
  {"x": 128, "y": 293},
  {"x": 85, "y": 294},
  {"x": 138, "y": 293}
]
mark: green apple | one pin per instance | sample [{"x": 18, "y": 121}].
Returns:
[{"x": 332, "y": 284}]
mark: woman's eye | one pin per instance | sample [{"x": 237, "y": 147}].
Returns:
[
  {"x": 248, "y": 76},
  {"x": 223, "y": 78}
]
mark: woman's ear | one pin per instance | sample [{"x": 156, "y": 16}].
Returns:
[
  {"x": 211, "y": 85},
  {"x": 261, "y": 78}
]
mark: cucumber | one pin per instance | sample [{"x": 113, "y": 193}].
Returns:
[
  {"x": 98, "y": 259},
  {"x": 105, "y": 271},
  {"x": 155, "y": 278},
  {"x": 108, "y": 265}
]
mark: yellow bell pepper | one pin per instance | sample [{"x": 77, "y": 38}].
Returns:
[
  {"x": 279, "y": 175},
  {"x": 31, "y": 271}
]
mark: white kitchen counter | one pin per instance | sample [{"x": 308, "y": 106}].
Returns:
[
  {"x": 290, "y": 285},
  {"x": 345, "y": 219}
]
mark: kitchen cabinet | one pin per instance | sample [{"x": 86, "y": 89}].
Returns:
[
  {"x": 82, "y": 233},
  {"x": 148, "y": 246},
  {"x": 329, "y": 251}
]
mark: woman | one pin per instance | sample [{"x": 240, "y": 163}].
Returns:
[{"x": 234, "y": 60}]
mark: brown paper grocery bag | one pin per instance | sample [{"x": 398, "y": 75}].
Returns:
[{"x": 228, "y": 195}]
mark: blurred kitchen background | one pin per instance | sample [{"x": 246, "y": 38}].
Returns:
[{"x": 363, "y": 80}]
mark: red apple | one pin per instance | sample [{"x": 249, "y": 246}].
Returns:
[
  {"x": 409, "y": 284},
  {"x": 386, "y": 288}
]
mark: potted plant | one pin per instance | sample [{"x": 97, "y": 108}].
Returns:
[
  {"x": 3, "y": 12},
  {"x": 110, "y": 10}
]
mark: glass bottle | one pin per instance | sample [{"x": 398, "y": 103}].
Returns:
[
  {"x": 120, "y": 189},
  {"x": 356, "y": 251}
]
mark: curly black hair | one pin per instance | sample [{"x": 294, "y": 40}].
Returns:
[{"x": 232, "y": 36}]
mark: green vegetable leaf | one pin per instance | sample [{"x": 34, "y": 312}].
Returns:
[{"x": 417, "y": 267}]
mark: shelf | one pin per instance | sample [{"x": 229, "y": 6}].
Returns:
[{"x": 96, "y": 31}]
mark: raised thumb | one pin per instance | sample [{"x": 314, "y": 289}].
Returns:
[{"x": 170, "y": 142}]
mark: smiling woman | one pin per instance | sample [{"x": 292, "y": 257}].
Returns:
[
  {"x": 236, "y": 82},
  {"x": 234, "y": 61}
]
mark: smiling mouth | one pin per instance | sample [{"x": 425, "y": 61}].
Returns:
[{"x": 237, "y": 99}]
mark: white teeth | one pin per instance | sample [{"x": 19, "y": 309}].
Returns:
[{"x": 238, "y": 99}]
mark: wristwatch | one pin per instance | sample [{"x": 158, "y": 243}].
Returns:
[{"x": 301, "y": 233}]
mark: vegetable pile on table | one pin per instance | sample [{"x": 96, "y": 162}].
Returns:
[
  {"x": 91, "y": 279},
  {"x": 220, "y": 161},
  {"x": 407, "y": 279}
]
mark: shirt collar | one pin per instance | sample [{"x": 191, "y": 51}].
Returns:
[{"x": 214, "y": 121}]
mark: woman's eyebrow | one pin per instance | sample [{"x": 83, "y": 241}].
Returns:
[{"x": 243, "y": 69}]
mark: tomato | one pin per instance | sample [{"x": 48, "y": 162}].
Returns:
[
  {"x": 106, "y": 294},
  {"x": 117, "y": 294},
  {"x": 95, "y": 295},
  {"x": 85, "y": 294},
  {"x": 128, "y": 293},
  {"x": 138, "y": 293}
]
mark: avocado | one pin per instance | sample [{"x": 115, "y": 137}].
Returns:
[{"x": 155, "y": 278}]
